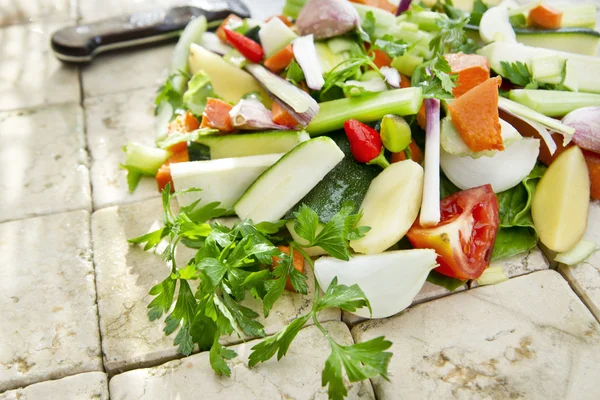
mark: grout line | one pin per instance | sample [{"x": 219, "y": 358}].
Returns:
[{"x": 576, "y": 290}]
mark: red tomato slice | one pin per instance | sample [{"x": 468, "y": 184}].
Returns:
[{"x": 464, "y": 238}]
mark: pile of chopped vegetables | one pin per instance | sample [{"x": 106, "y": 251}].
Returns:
[{"x": 383, "y": 145}]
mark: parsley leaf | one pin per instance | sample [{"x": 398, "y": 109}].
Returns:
[
  {"x": 360, "y": 361},
  {"x": 164, "y": 292},
  {"x": 182, "y": 315},
  {"x": 345, "y": 70},
  {"x": 517, "y": 72},
  {"x": 307, "y": 222},
  {"x": 294, "y": 73},
  {"x": 278, "y": 343},
  {"x": 344, "y": 297},
  {"x": 168, "y": 94},
  {"x": 393, "y": 47},
  {"x": 366, "y": 30},
  {"x": 218, "y": 356}
]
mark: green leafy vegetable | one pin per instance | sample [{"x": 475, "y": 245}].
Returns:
[
  {"x": 169, "y": 94},
  {"x": 348, "y": 69},
  {"x": 233, "y": 261},
  {"x": 294, "y": 73},
  {"x": 518, "y": 73},
  {"x": 518, "y": 21},
  {"x": 199, "y": 89},
  {"x": 393, "y": 47},
  {"x": 450, "y": 284},
  {"x": 479, "y": 8},
  {"x": 367, "y": 28}
]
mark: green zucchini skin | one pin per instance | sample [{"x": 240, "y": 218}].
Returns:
[
  {"x": 198, "y": 151},
  {"x": 349, "y": 180}
]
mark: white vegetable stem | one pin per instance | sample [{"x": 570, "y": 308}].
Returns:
[
  {"x": 305, "y": 53},
  {"x": 392, "y": 76},
  {"x": 430, "y": 206},
  {"x": 250, "y": 114}
]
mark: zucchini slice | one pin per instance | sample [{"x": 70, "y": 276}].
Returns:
[{"x": 253, "y": 144}]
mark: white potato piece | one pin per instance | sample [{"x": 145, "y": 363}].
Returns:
[
  {"x": 390, "y": 207},
  {"x": 561, "y": 202}
]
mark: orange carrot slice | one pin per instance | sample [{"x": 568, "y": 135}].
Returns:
[
  {"x": 280, "y": 60},
  {"x": 298, "y": 264},
  {"x": 381, "y": 58},
  {"x": 472, "y": 70},
  {"x": 416, "y": 154},
  {"x": 163, "y": 176},
  {"x": 546, "y": 17},
  {"x": 231, "y": 22},
  {"x": 475, "y": 116},
  {"x": 284, "y": 18},
  {"x": 383, "y": 4},
  {"x": 282, "y": 117},
  {"x": 404, "y": 81},
  {"x": 216, "y": 115},
  {"x": 184, "y": 123},
  {"x": 593, "y": 163}
]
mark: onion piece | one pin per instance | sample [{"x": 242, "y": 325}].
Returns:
[
  {"x": 403, "y": 6},
  {"x": 305, "y": 54},
  {"x": 577, "y": 254},
  {"x": 251, "y": 114},
  {"x": 211, "y": 41},
  {"x": 295, "y": 101},
  {"x": 390, "y": 280},
  {"x": 586, "y": 122},
  {"x": 506, "y": 169},
  {"x": 430, "y": 206},
  {"x": 392, "y": 76},
  {"x": 527, "y": 114},
  {"x": 327, "y": 18}
]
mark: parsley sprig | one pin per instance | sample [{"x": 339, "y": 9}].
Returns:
[
  {"x": 519, "y": 74},
  {"x": 202, "y": 299}
]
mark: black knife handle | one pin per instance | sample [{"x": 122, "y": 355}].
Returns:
[{"x": 82, "y": 42}]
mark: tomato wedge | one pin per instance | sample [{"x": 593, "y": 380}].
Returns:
[{"x": 465, "y": 237}]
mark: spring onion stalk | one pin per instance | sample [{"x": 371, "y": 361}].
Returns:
[
  {"x": 295, "y": 101},
  {"x": 491, "y": 276},
  {"x": 403, "y": 6},
  {"x": 333, "y": 114},
  {"x": 430, "y": 206},
  {"x": 586, "y": 122},
  {"x": 251, "y": 114},
  {"x": 305, "y": 54},
  {"x": 552, "y": 103},
  {"x": 528, "y": 115},
  {"x": 392, "y": 76},
  {"x": 211, "y": 41},
  {"x": 577, "y": 254},
  {"x": 191, "y": 34}
]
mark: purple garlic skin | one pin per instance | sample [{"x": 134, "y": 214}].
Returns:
[{"x": 327, "y": 18}]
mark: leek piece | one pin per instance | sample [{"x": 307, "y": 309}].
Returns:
[
  {"x": 523, "y": 111},
  {"x": 578, "y": 15},
  {"x": 427, "y": 20},
  {"x": 144, "y": 159},
  {"x": 333, "y": 114},
  {"x": 552, "y": 103},
  {"x": 491, "y": 276},
  {"x": 548, "y": 69},
  {"x": 430, "y": 206},
  {"x": 191, "y": 34},
  {"x": 577, "y": 254}
]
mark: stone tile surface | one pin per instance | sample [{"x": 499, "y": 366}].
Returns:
[
  {"x": 20, "y": 11},
  {"x": 43, "y": 162},
  {"x": 90, "y": 385},
  {"x": 30, "y": 74},
  {"x": 126, "y": 273},
  {"x": 527, "y": 338},
  {"x": 136, "y": 69},
  {"x": 47, "y": 300},
  {"x": 521, "y": 264},
  {"x": 111, "y": 122},
  {"x": 585, "y": 277},
  {"x": 296, "y": 376}
]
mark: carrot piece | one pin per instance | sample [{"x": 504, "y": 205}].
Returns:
[
  {"x": 298, "y": 264},
  {"x": 472, "y": 70},
  {"x": 544, "y": 16},
  {"x": 475, "y": 116},
  {"x": 216, "y": 115},
  {"x": 284, "y": 18},
  {"x": 231, "y": 22},
  {"x": 593, "y": 163},
  {"x": 526, "y": 130},
  {"x": 416, "y": 154},
  {"x": 422, "y": 117},
  {"x": 184, "y": 123},
  {"x": 381, "y": 58},
  {"x": 383, "y": 4},
  {"x": 282, "y": 117},
  {"x": 163, "y": 176},
  {"x": 404, "y": 81},
  {"x": 278, "y": 61}
]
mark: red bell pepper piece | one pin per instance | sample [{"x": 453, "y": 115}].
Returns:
[
  {"x": 365, "y": 143},
  {"x": 246, "y": 46}
]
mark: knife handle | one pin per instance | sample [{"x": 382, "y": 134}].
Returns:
[{"x": 82, "y": 42}]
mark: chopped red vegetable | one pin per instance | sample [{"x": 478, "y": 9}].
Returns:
[
  {"x": 184, "y": 123},
  {"x": 365, "y": 143},
  {"x": 465, "y": 237},
  {"x": 381, "y": 58},
  {"x": 246, "y": 46},
  {"x": 298, "y": 264},
  {"x": 163, "y": 176},
  {"x": 216, "y": 115}
]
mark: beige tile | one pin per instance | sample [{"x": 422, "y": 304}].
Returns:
[
  {"x": 528, "y": 338},
  {"x": 20, "y": 11},
  {"x": 296, "y": 376},
  {"x": 90, "y": 385},
  {"x": 30, "y": 75},
  {"x": 43, "y": 162},
  {"x": 126, "y": 273},
  {"x": 47, "y": 300}
]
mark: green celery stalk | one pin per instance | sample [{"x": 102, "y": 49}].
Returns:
[
  {"x": 426, "y": 20},
  {"x": 191, "y": 34},
  {"x": 292, "y": 8},
  {"x": 578, "y": 15},
  {"x": 333, "y": 114},
  {"x": 554, "y": 103}
]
